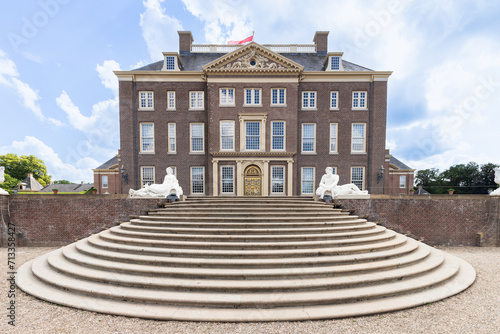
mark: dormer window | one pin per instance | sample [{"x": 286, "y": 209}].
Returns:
[
  {"x": 170, "y": 63},
  {"x": 334, "y": 63}
]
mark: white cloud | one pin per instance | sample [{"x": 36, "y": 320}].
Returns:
[
  {"x": 55, "y": 166},
  {"x": 9, "y": 76},
  {"x": 158, "y": 29},
  {"x": 108, "y": 78}
]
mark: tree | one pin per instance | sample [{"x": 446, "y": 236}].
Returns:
[
  {"x": 19, "y": 167},
  {"x": 430, "y": 180},
  {"x": 461, "y": 177},
  {"x": 9, "y": 182},
  {"x": 62, "y": 182}
]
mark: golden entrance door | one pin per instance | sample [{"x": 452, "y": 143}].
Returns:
[{"x": 253, "y": 181}]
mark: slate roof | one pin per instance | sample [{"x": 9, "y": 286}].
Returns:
[
  {"x": 32, "y": 184},
  {"x": 67, "y": 188},
  {"x": 399, "y": 164},
  {"x": 195, "y": 62},
  {"x": 109, "y": 163}
]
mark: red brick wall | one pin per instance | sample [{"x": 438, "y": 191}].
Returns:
[
  {"x": 46, "y": 220},
  {"x": 438, "y": 220},
  {"x": 442, "y": 220}
]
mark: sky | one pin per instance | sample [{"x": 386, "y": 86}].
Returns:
[{"x": 59, "y": 96}]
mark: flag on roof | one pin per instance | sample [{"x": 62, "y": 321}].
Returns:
[{"x": 243, "y": 41}]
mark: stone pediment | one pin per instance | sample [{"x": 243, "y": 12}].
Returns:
[{"x": 253, "y": 58}]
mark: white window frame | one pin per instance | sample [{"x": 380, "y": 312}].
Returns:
[
  {"x": 359, "y": 100},
  {"x": 302, "y": 180},
  {"x": 334, "y": 100},
  {"x": 247, "y": 136},
  {"x": 402, "y": 181},
  {"x": 309, "y": 100},
  {"x": 281, "y": 181},
  {"x": 222, "y": 148},
  {"x": 252, "y": 97},
  {"x": 167, "y": 63},
  {"x": 148, "y": 98},
  {"x": 362, "y": 177},
  {"x": 353, "y": 139},
  {"x": 302, "y": 139},
  {"x": 226, "y": 97},
  {"x": 202, "y": 183},
  {"x": 335, "y": 63},
  {"x": 334, "y": 138},
  {"x": 273, "y": 135},
  {"x": 104, "y": 184},
  {"x": 171, "y": 100},
  {"x": 222, "y": 179},
  {"x": 141, "y": 148},
  {"x": 278, "y": 103},
  {"x": 198, "y": 96},
  {"x": 152, "y": 168},
  {"x": 252, "y": 117},
  {"x": 202, "y": 151},
  {"x": 172, "y": 138}
]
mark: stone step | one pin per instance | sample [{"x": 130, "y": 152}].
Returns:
[
  {"x": 117, "y": 230},
  {"x": 230, "y": 231},
  {"x": 228, "y": 261},
  {"x": 265, "y": 215},
  {"x": 445, "y": 271},
  {"x": 229, "y": 207},
  {"x": 73, "y": 263},
  {"x": 38, "y": 288},
  {"x": 358, "y": 249},
  {"x": 107, "y": 235},
  {"x": 220, "y": 219}
]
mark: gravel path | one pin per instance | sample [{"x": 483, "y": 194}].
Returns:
[{"x": 477, "y": 310}]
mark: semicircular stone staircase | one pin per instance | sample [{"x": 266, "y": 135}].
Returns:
[{"x": 245, "y": 259}]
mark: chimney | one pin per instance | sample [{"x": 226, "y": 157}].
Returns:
[
  {"x": 82, "y": 183},
  {"x": 30, "y": 174},
  {"x": 185, "y": 42},
  {"x": 321, "y": 41}
]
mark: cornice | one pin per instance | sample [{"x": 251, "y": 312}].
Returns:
[{"x": 249, "y": 154}]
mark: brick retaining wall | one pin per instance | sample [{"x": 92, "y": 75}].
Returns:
[
  {"x": 53, "y": 220},
  {"x": 443, "y": 220}
]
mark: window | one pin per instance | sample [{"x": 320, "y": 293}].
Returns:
[
  {"x": 147, "y": 176},
  {"x": 359, "y": 100},
  {"x": 196, "y": 101},
  {"x": 402, "y": 181},
  {"x": 278, "y": 97},
  {"x": 334, "y": 63},
  {"x": 227, "y": 96},
  {"x": 227, "y": 178},
  {"x": 171, "y": 138},
  {"x": 227, "y": 135},
  {"x": 104, "y": 181},
  {"x": 145, "y": 100},
  {"x": 197, "y": 180},
  {"x": 277, "y": 179},
  {"x": 170, "y": 100},
  {"x": 170, "y": 63},
  {"x": 308, "y": 100},
  {"x": 358, "y": 138},
  {"x": 308, "y": 138},
  {"x": 252, "y": 136},
  {"x": 307, "y": 180},
  {"x": 278, "y": 136},
  {"x": 334, "y": 100},
  {"x": 333, "y": 137},
  {"x": 252, "y": 97},
  {"x": 147, "y": 138},
  {"x": 358, "y": 176},
  {"x": 197, "y": 137}
]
